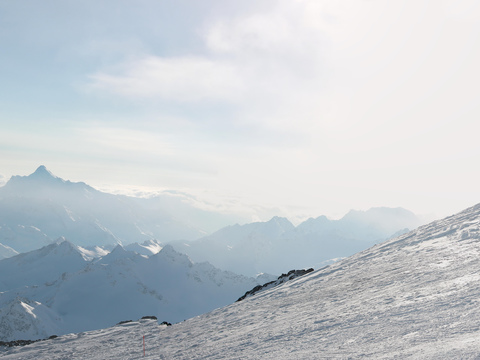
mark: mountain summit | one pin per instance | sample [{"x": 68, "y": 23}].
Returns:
[
  {"x": 42, "y": 173},
  {"x": 41, "y": 207},
  {"x": 39, "y": 181}
]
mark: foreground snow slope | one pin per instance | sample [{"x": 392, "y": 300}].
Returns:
[{"x": 416, "y": 296}]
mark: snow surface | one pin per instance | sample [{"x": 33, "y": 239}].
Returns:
[{"x": 415, "y": 297}]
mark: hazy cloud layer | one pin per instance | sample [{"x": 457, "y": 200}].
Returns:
[{"x": 315, "y": 105}]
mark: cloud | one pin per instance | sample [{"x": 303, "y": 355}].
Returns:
[
  {"x": 127, "y": 140},
  {"x": 259, "y": 65},
  {"x": 181, "y": 79},
  {"x": 171, "y": 155},
  {"x": 368, "y": 88}
]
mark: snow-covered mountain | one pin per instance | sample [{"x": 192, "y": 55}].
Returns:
[
  {"x": 412, "y": 297},
  {"x": 58, "y": 288},
  {"x": 276, "y": 245},
  {"x": 149, "y": 247},
  {"x": 37, "y": 209},
  {"x": 41, "y": 266}
]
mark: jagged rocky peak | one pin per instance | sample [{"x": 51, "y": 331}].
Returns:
[
  {"x": 319, "y": 223},
  {"x": 42, "y": 173},
  {"x": 170, "y": 254},
  {"x": 147, "y": 248},
  {"x": 66, "y": 247},
  {"x": 282, "y": 223},
  {"x": 41, "y": 177},
  {"x": 118, "y": 253}
]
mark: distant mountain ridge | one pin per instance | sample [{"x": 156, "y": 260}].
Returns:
[
  {"x": 37, "y": 209},
  {"x": 41, "y": 207},
  {"x": 276, "y": 245}
]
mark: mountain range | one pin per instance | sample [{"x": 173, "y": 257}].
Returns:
[
  {"x": 415, "y": 296},
  {"x": 60, "y": 288},
  {"x": 277, "y": 245},
  {"x": 36, "y": 210}
]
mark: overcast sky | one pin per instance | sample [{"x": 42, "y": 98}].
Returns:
[{"x": 306, "y": 107}]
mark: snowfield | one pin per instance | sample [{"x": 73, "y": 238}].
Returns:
[{"x": 416, "y": 296}]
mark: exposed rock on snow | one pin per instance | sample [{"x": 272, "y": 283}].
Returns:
[{"x": 292, "y": 274}]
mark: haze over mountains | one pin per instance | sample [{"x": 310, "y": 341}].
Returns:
[
  {"x": 36, "y": 210},
  {"x": 276, "y": 245},
  {"x": 411, "y": 297}
]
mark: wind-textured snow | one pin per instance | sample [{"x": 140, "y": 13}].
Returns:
[{"x": 416, "y": 296}]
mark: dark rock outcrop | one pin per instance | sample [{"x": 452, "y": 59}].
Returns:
[
  {"x": 292, "y": 274},
  {"x": 24, "y": 342},
  {"x": 124, "y": 322}
]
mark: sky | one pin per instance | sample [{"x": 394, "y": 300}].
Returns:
[{"x": 297, "y": 107}]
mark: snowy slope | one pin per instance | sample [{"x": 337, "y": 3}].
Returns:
[
  {"x": 119, "y": 286},
  {"x": 148, "y": 248},
  {"x": 6, "y": 252},
  {"x": 41, "y": 266},
  {"x": 412, "y": 297},
  {"x": 24, "y": 319},
  {"x": 276, "y": 245}
]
